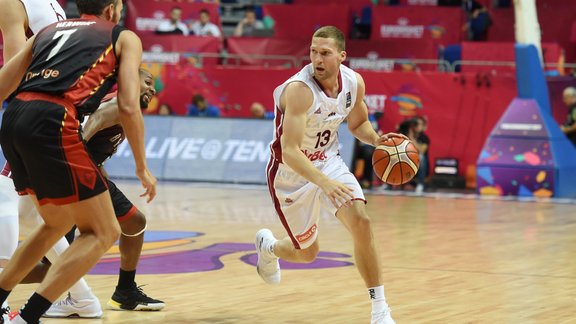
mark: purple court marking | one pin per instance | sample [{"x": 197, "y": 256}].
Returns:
[
  {"x": 320, "y": 263},
  {"x": 157, "y": 236},
  {"x": 206, "y": 259}
]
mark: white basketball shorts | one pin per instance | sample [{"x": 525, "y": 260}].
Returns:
[{"x": 300, "y": 204}]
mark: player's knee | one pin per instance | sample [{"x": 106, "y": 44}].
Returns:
[
  {"x": 135, "y": 225},
  {"x": 110, "y": 236},
  {"x": 310, "y": 253},
  {"x": 361, "y": 222}
]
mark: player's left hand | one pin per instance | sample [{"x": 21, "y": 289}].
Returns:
[
  {"x": 148, "y": 182},
  {"x": 384, "y": 137}
]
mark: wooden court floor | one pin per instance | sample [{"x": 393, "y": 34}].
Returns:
[{"x": 445, "y": 261}]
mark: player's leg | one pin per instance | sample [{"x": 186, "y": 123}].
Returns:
[
  {"x": 8, "y": 223},
  {"x": 367, "y": 258},
  {"x": 80, "y": 301},
  {"x": 285, "y": 250},
  {"x": 98, "y": 231},
  {"x": 30, "y": 251},
  {"x": 298, "y": 206},
  {"x": 127, "y": 295}
]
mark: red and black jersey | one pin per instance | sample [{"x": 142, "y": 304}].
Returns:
[
  {"x": 74, "y": 59},
  {"x": 105, "y": 143}
]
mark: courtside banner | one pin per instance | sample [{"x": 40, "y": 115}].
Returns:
[{"x": 202, "y": 149}]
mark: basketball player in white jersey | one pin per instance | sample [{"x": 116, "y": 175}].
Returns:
[
  {"x": 307, "y": 178},
  {"x": 20, "y": 20}
]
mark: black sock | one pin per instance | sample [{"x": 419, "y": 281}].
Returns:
[
  {"x": 70, "y": 235},
  {"x": 34, "y": 308},
  {"x": 126, "y": 279},
  {"x": 4, "y": 295}
]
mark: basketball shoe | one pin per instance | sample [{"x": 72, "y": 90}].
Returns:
[
  {"x": 383, "y": 317},
  {"x": 4, "y": 311},
  {"x": 134, "y": 299},
  {"x": 268, "y": 266},
  {"x": 70, "y": 307},
  {"x": 11, "y": 318}
]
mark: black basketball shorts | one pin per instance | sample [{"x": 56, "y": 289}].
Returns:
[
  {"x": 123, "y": 207},
  {"x": 41, "y": 141}
]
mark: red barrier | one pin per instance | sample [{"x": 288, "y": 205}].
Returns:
[
  {"x": 488, "y": 51},
  {"x": 461, "y": 109},
  {"x": 175, "y": 49},
  {"x": 418, "y": 22},
  {"x": 556, "y": 19},
  {"x": 502, "y": 29},
  {"x": 300, "y": 21},
  {"x": 246, "y": 47},
  {"x": 144, "y": 16},
  {"x": 393, "y": 48},
  {"x": 356, "y": 5}
]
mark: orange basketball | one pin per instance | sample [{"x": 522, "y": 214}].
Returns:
[{"x": 396, "y": 161}]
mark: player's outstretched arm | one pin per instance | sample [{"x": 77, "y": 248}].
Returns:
[
  {"x": 13, "y": 71},
  {"x": 358, "y": 122},
  {"x": 296, "y": 100},
  {"x": 106, "y": 116},
  {"x": 129, "y": 49}
]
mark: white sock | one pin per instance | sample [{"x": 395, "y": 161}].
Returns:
[
  {"x": 80, "y": 290},
  {"x": 378, "y": 299}
]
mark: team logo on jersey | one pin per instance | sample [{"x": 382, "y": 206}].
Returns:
[{"x": 348, "y": 99}]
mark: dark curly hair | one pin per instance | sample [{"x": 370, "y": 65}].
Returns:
[{"x": 93, "y": 7}]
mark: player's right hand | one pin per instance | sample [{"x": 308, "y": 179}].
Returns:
[
  {"x": 148, "y": 182},
  {"x": 339, "y": 194}
]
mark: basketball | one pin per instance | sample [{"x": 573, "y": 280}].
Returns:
[{"x": 396, "y": 161}]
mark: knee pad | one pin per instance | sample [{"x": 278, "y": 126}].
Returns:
[{"x": 137, "y": 234}]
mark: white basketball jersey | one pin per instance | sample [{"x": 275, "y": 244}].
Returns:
[
  {"x": 42, "y": 13},
  {"x": 324, "y": 116}
]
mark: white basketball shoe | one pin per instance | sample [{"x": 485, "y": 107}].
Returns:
[
  {"x": 268, "y": 266},
  {"x": 383, "y": 317},
  {"x": 70, "y": 307}
]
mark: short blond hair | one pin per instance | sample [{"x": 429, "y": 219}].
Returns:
[{"x": 332, "y": 32}]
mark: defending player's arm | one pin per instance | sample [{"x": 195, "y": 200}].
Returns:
[
  {"x": 129, "y": 49},
  {"x": 106, "y": 116},
  {"x": 358, "y": 122},
  {"x": 13, "y": 71},
  {"x": 296, "y": 99},
  {"x": 13, "y": 29}
]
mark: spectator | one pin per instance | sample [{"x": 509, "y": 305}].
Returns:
[
  {"x": 363, "y": 170},
  {"x": 478, "y": 20},
  {"x": 174, "y": 25},
  {"x": 569, "y": 127},
  {"x": 201, "y": 108},
  {"x": 203, "y": 27},
  {"x": 414, "y": 129},
  {"x": 165, "y": 110},
  {"x": 423, "y": 145},
  {"x": 248, "y": 25},
  {"x": 258, "y": 111}
]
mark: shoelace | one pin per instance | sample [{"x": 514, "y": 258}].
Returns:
[
  {"x": 67, "y": 301},
  {"x": 141, "y": 292}
]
